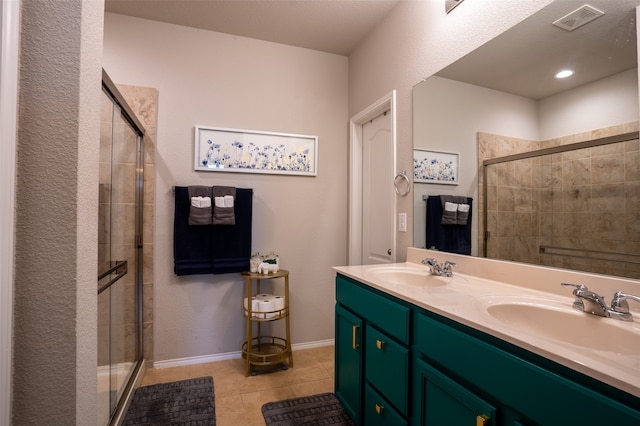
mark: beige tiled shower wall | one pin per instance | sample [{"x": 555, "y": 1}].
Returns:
[
  {"x": 144, "y": 103},
  {"x": 586, "y": 199}
]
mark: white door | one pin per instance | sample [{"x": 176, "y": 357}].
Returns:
[{"x": 377, "y": 190}]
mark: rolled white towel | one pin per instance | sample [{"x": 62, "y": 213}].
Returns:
[
  {"x": 451, "y": 207},
  {"x": 219, "y": 202},
  {"x": 201, "y": 202},
  {"x": 228, "y": 201},
  {"x": 463, "y": 214},
  {"x": 205, "y": 202}
]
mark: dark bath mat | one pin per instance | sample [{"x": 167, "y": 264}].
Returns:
[
  {"x": 185, "y": 402},
  {"x": 321, "y": 409}
]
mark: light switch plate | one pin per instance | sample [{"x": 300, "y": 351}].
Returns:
[{"x": 402, "y": 222}]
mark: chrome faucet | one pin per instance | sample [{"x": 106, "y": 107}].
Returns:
[
  {"x": 592, "y": 303},
  {"x": 436, "y": 269},
  {"x": 587, "y": 300}
]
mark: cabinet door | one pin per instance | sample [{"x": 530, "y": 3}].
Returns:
[
  {"x": 439, "y": 401},
  {"x": 348, "y": 362}
]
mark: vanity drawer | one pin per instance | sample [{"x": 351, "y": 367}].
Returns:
[
  {"x": 377, "y": 411},
  {"x": 391, "y": 317},
  {"x": 387, "y": 367}
]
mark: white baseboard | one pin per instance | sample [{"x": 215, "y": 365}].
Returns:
[{"x": 179, "y": 362}]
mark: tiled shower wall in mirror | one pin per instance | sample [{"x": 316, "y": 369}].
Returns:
[{"x": 567, "y": 209}]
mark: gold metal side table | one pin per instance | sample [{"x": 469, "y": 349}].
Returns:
[{"x": 259, "y": 350}]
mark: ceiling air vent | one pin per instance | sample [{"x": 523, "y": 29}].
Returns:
[{"x": 579, "y": 17}]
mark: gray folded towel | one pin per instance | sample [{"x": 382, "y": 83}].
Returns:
[
  {"x": 451, "y": 214},
  {"x": 199, "y": 215},
  {"x": 223, "y": 209},
  {"x": 463, "y": 213}
]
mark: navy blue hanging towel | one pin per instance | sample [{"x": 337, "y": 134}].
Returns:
[
  {"x": 444, "y": 235},
  {"x": 231, "y": 244},
  {"x": 212, "y": 249}
]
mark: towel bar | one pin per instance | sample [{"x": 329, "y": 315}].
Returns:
[
  {"x": 400, "y": 177},
  {"x": 590, "y": 254}
]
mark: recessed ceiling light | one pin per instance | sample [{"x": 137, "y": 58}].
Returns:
[{"x": 564, "y": 74}]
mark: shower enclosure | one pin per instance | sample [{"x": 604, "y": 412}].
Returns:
[
  {"x": 574, "y": 206},
  {"x": 121, "y": 172}
]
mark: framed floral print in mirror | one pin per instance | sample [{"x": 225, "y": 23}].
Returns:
[
  {"x": 435, "y": 167},
  {"x": 247, "y": 151},
  {"x": 449, "y": 5}
]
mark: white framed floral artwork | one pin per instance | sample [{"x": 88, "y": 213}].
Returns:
[
  {"x": 247, "y": 151},
  {"x": 435, "y": 167}
]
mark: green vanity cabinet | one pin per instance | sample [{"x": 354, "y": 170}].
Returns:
[
  {"x": 522, "y": 390},
  {"x": 399, "y": 364},
  {"x": 372, "y": 358}
]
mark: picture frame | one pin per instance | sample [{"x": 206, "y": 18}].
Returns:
[
  {"x": 219, "y": 149},
  {"x": 449, "y": 5},
  {"x": 436, "y": 167}
]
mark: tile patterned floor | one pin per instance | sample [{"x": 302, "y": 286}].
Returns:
[{"x": 239, "y": 398}]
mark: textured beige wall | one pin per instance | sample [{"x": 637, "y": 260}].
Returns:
[
  {"x": 54, "y": 378},
  {"x": 222, "y": 80},
  {"x": 207, "y": 78},
  {"x": 416, "y": 40}
]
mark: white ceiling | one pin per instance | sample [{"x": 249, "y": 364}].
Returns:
[
  {"x": 521, "y": 61},
  {"x": 524, "y": 59},
  {"x": 334, "y": 26}
]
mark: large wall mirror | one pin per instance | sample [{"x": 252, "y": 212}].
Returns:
[{"x": 564, "y": 186}]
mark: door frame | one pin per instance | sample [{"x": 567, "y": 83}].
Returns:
[
  {"x": 385, "y": 103},
  {"x": 9, "y": 42}
]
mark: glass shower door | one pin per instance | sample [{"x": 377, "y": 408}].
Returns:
[{"x": 120, "y": 182}]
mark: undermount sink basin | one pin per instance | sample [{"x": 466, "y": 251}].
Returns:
[
  {"x": 414, "y": 276},
  {"x": 567, "y": 325}
]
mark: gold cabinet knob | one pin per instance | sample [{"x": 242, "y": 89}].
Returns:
[
  {"x": 379, "y": 344},
  {"x": 379, "y": 408},
  {"x": 482, "y": 420}
]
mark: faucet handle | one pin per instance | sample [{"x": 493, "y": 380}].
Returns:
[
  {"x": 447, "y": 265},
  {"x": 430, "y": 261},
  {"x": 579, "y": 287},
  {"x": 620, "y": 306},
  {"x": 619, "y": 302}
]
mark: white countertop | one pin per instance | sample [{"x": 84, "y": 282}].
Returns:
[{"x": 466, "y": 296}]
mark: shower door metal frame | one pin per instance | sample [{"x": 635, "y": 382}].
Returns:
[{"x": 127, "y": 113}]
